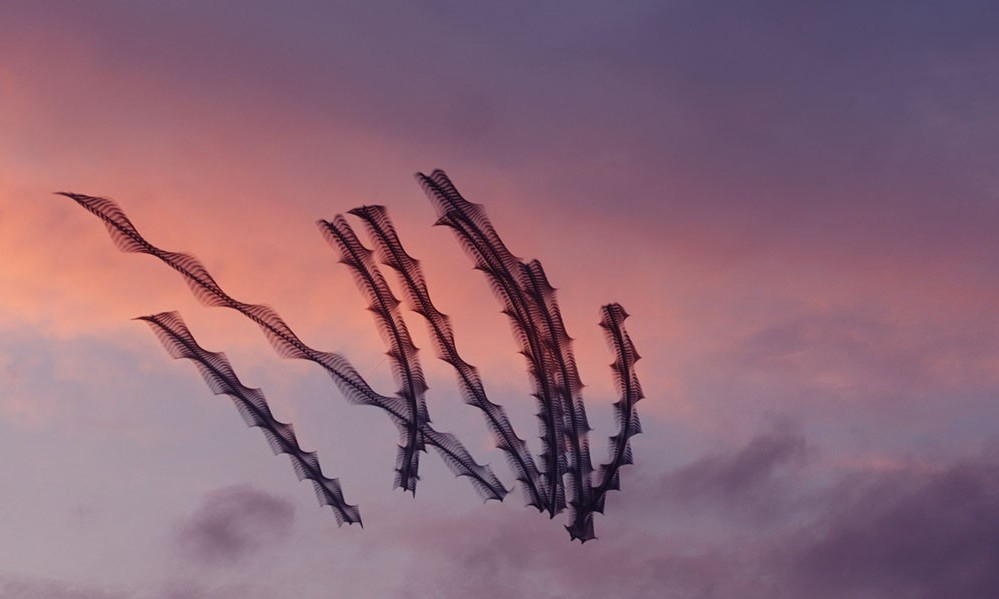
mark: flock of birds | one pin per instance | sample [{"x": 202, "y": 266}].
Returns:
[{"x": 562, "y": 475}]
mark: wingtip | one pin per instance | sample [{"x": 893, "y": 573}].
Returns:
[
  {"x": 365, "y": 209},
  {"x": 152, "y": 317}
]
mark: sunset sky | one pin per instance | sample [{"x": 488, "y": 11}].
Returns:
[{"x": 798, "y": 205}]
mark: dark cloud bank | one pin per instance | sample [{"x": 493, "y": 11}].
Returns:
[{"x": 914, "y": 531}]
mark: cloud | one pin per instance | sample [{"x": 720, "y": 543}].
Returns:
[
  {"x": 917, "y": 376},
  {"x": 234, "y": 522},
  {"x": 737, "y": 178},
  {"x": 913, "y": 532},
  {"x": 22, "y": 588},
  {"x": 753, "y": 482},
  {"x": 857, "y": 354}
]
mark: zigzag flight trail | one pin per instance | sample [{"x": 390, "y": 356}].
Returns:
[
  {"x": 215, "y": 368},
  {"x": 127, "y": 238}
]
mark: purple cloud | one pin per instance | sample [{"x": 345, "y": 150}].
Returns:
[
  {"x": 233, "y": 522},
  {"x": 914, "y": 531},
  {"x": 917, "y": 532},
  {"x": 754, "y": 482}
]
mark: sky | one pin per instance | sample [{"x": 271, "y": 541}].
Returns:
[{"x": 796, "y": 203}]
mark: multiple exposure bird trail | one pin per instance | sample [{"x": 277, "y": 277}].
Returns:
[
  {"x": 173, "y": 333},
  {"x": 565, "y": 478}
]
